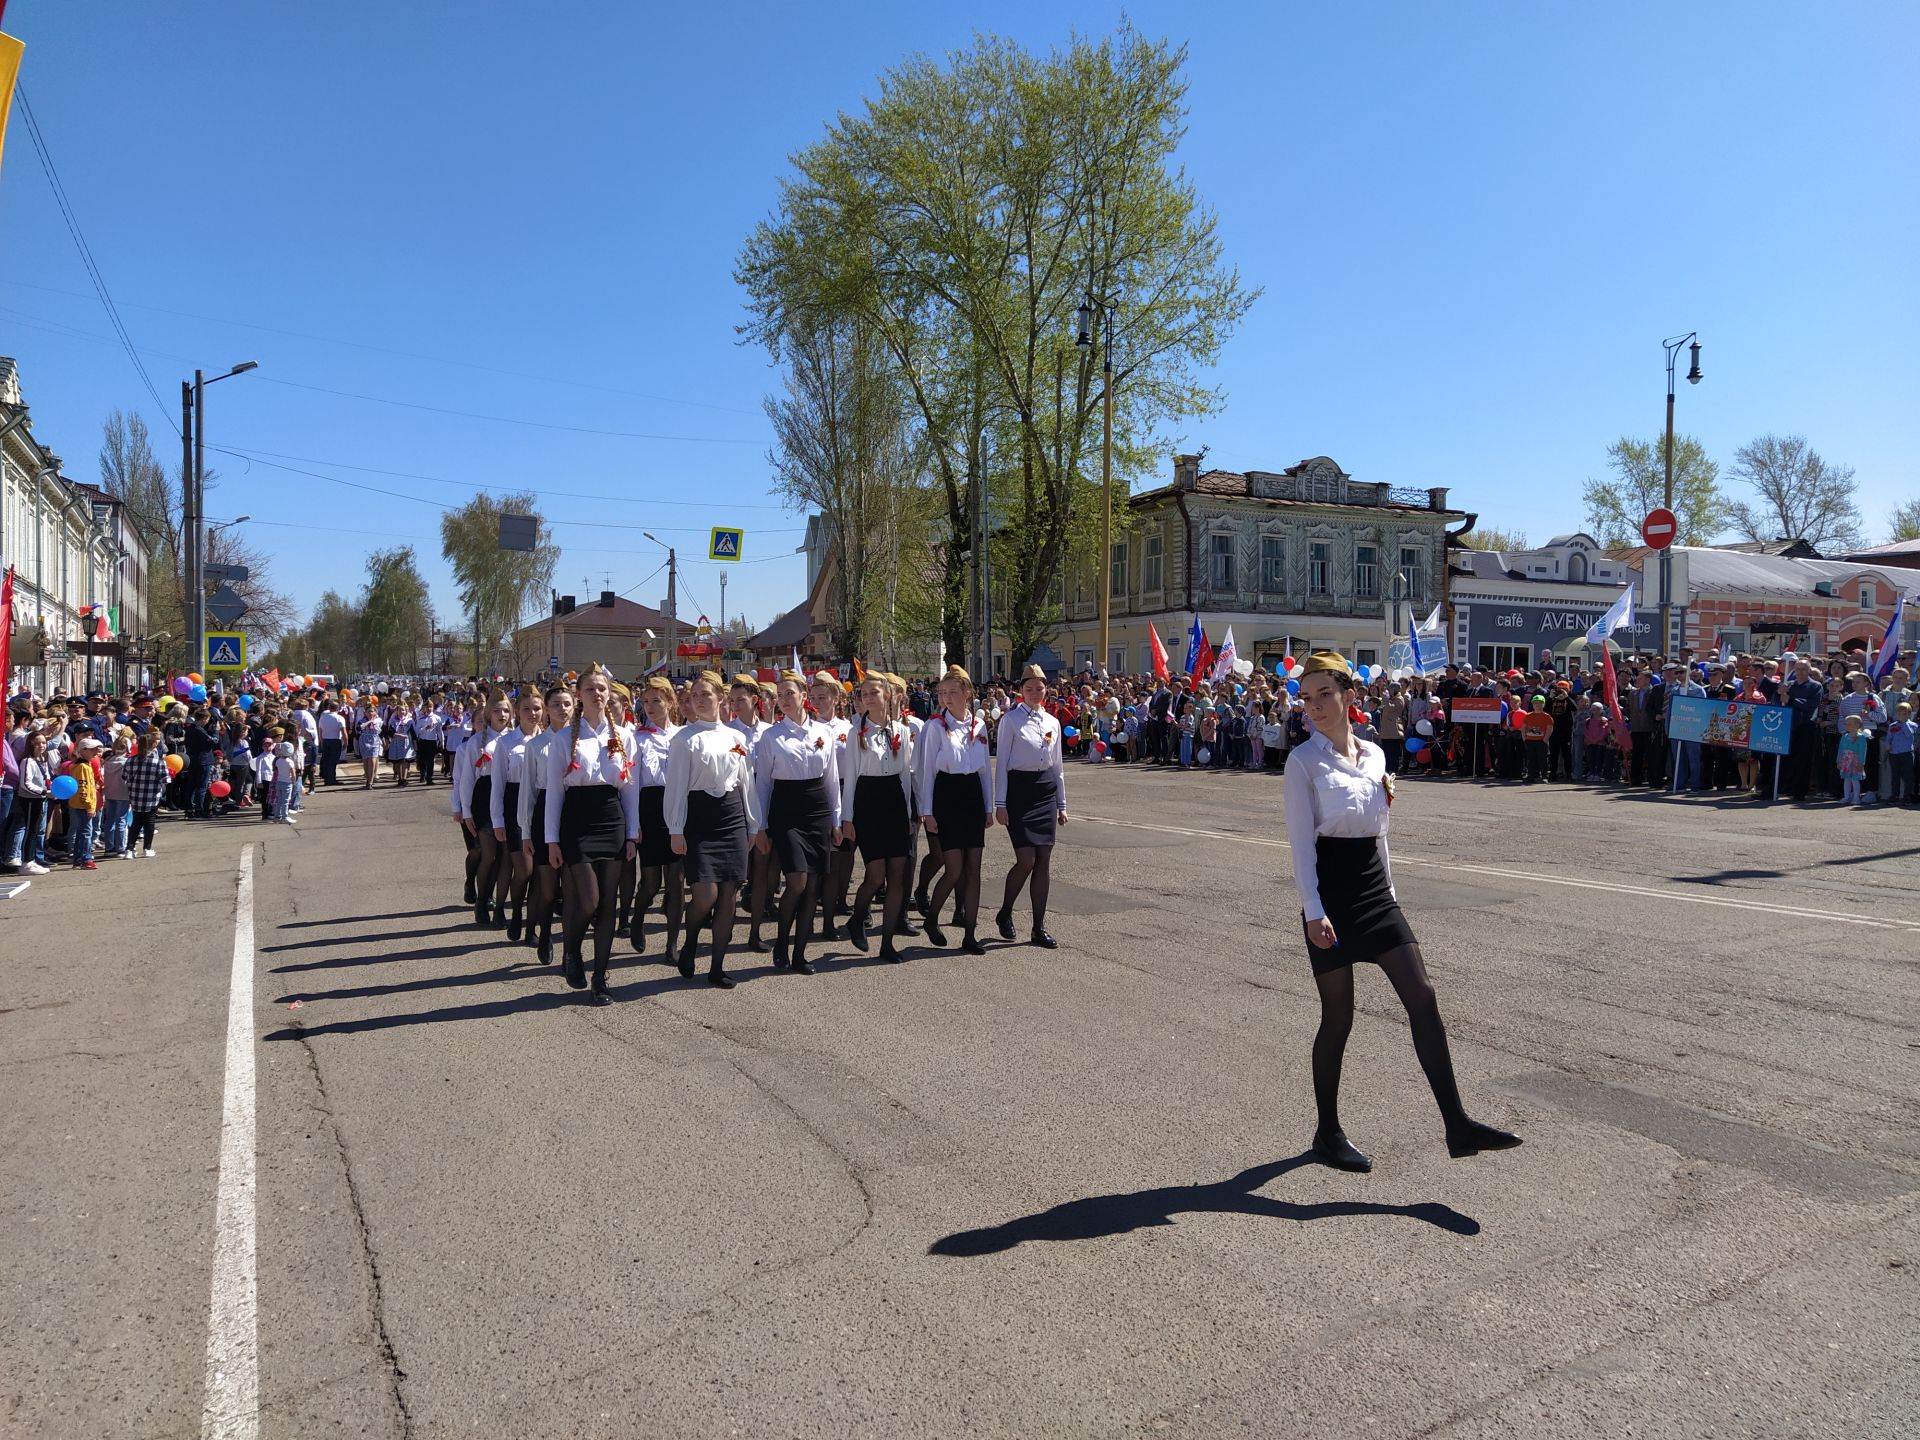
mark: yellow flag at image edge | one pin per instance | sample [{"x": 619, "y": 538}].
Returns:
[{"x": 10, "y": 52}]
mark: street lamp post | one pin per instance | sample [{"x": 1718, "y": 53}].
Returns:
[
  {"x": 1672, "y": 347},
  {"x": 193, "y": 500},
  {"x": 1100, "y": 312},
  {"x": 673, "y": 584}
]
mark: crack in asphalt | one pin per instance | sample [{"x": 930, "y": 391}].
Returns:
[{"x": 377, "y": 1305}]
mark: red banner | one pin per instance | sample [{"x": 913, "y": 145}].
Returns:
[{"x": 6, "y": 620}]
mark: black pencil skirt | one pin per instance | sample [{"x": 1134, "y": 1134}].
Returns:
[
  {"x": 800, "y": 826},
  {"x": 959, "y": 812},
  {"x": 480, "y": 810},
  {"x": 510, "y": 812},
  {"x": 1358, "y": 900},
  {"x": 592, "y": 826},
  {"x": 656, "y": 846},
  {"x": 538, "y": 834},
  {"x": 880, "y": 824},
  {"x": 1033, "y": 808},
  {"x": 716, "y": 838}
]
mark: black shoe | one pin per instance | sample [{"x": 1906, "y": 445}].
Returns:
[
  {"x": 905, "y": 927},
  {"x": 922, "y": 902},
  {"x": 1470, "y": 1137},
  {"x": 972, "y": 945},
  {"x": 543, "y": 949},
  {"x": 801, "y": 965},
  {"x": 857, "y": 932},
  {"x": 1333, "y": 1148},
  {"x": 482, "y": 914},
  {"x": 830, "y": 931},
  {"x": 720, "y": 979},
  {"x": 756, "y": 945},
  {"x": 889, "y": 954},
  {"x": 473, "y": 892},
  {"x": 935, "y": 935},
  {"x": 1005, "y": 922},
  {"x": 599, "y": 997},
  {"x": 574, "y": 969},
  {"x": 513, "y": 927},
  {"x": 686, "y": 963},
  {"x": 638, "y": 935},
  {"x": 1045, "y": 941},
  {"x": 779, "y": 954}
]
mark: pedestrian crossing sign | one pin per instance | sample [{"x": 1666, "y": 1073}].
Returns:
[
  {"x": 726, "y": 544},
  {"x": 226, "y": 650}
]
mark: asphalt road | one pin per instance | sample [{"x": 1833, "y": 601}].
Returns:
[{"x": 1029, "y": 1194}]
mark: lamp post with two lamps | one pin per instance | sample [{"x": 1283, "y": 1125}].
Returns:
[{"x": 1672, "y": 346}]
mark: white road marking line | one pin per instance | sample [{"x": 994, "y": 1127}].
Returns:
[
  {"x": 232, "y": 1409},
  {"x": 1728, "y": 902}
]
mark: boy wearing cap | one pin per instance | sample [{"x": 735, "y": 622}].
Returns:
[{"x": 84, "y": 804}]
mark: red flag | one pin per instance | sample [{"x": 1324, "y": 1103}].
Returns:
[
  {"x": 1159, "y": 653},
  {"x": 6, "y": 629},
  {"x": 1202, "y": 662},
  {"x": 1610, "y": 686}
]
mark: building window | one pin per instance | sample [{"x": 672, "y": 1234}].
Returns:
[
  {"x": 1366, "y": 572},
  {"x": 1273, "y": 564},
  {"x": 1364, "y": 656},
  {"x": 1082, "y": 659},
  {"x": 1411, "y": 568},
  {"x": 1320, "y": 567},
  {"x": 1118, "y": 587},
  {"x": 1867, "y": 596},
  {"x": 1150, "y": 565},
  {"x": 1502, "y": 658},
  {"x": 1577, "y": 568},
  {"x": 1736, "y": 642},
  {"x": 1220, "y": 562}
]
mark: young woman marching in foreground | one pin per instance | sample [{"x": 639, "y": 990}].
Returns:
[
  {"x": 956, "y": 803},
  {"x": 593, "y": 822},
  {"x": 876, "y": 787},
  {"x": 710, "y": 812},
  {"x": 1030, "y": 799},
  {"x": 558, "y": 715},
  {"x": 659, "y": 866},
  {"x": 515, "y": 865},
  {"x": 1337, "y": 796}
]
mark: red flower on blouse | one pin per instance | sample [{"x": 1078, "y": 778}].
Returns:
[
  {"x": 738, "y": 750},
  {"x": 893, "y": 739},
  {"x": 820, "y": 743}
]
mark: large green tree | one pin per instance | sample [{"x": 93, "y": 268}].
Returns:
[
  {"x": 966, "y": 214},
  {"x": 1616, "y": 506},
  {"x": 1905, "y": 522},
  {"x": 394, "y": 618},
  {"x": 498, "y": 588}
]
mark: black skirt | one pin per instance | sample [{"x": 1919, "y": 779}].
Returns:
[
  {"x": 800, "y": 826},
  {"x": 538, "y": 834},
  {"x": 716, "y": 838},
  {"x": 880, "y": 824},
  {"x": 480, "y": 809},
  {"x": 1033, "y": 807},
  {"x": 656, "y": 846},
  {"x": 959, "y": 812},
  {"x": 592, "y": 826},
  {"x": 510, "y": 812},
  {"x": 1358, "y": 900}
]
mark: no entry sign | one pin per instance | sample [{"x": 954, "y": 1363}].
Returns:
[{"x": 1659, "y": 528}]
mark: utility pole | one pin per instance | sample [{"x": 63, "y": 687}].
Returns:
[
  {"x": 1666, "y": 554},
  {"x": 673, "y": 610},
  {"x": 190, "y": 525},
  {"x": 723, "y": 604}
]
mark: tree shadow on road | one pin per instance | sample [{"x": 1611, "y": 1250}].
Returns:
[
  {"x": 356, "y": 939},
  {"x": 364, "y": 919},
  {"x": 1098, "y": 1216},
  {"x": 435, "y": 952}
]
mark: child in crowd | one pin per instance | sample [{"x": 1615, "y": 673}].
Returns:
[
  {"x": 263, "y": 767},
  {"x": 113, "y": 786},
  {"x": 1188, "y": 725},
  {"x": 240, "y": 763},
  {"x": 1593, "y": 726},
  {"x": 84, "y": 807},
  {"x": 1257, "y": 736},
  {"x": 1853, "y": 760},
  {"x": 286, "y": 779},
  {"x": 146, "y": 779},
  {"x": 1536, "y": 729},
  {"x": 1901, "y": 731}
]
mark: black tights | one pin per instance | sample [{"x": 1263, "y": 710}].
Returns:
[
  {"x": 962, "y": 875},
  {"x": 893, "y": 874},
  {"x": 546, "y": 881},
  {"x": 1408, "y": 972},
  {"x": 1035, "y": 861},
  {"x": 141, "y": 836},
  {"x": 486, "y": 863},
  {"x": 652, "y": 878},
  {"x": 712, "y": 901},
  {"x": 593, "y": 888},
  {"x": 796, "y": 903}
]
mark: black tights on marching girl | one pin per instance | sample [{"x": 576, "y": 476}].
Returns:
[
  {"x": 652, "y": 879},
  {"x": 961, "y": 877},
  {"x": 486, "y": 865},
  {"x": 593, "y": 890},
  {"x": 712, "y": 901},
  {"x": 1035, "y": 861},
  {"x": 545, "y": 891},
  {"x": 516, "y": 878},
  {"x": 892, "y": 874}
]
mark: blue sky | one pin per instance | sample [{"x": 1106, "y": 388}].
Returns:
[{"x": 1473, "y": 224}]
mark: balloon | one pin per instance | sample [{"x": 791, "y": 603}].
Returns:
[
  {"x": 219, "y": 789},
  {"x": 246, "y": 702},
  {"x": 181, "y": 685},
  {"x": 1286, "y": 662},
  {"x": 1296, "y": 671},
  {"x": 195, "y": 678},
  {"x": 1426, "y": 757},
  {"x": 1205, "y": 757},
  {"x": 175, "y": 764},
  {"x": 197, "y": 694},
  {"x": 1293, "y": 687},
  {"x": 1071, "y": 733},
  {"x": 1364, "y": 672},
  {"x": 64, "y": 788},
  {"x": 1423, "y": 727},
  {"x": 1414, "y": 747},
  {"x": 1099, "y": 747}
]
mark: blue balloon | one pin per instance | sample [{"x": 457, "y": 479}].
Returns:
[
  {"x": 1416, "y": 745},
  {"x": 64, "y": 788},
  {"x": 197, "y": 694},
  {"x": 246, "y": 702},
  {"x": 1070, "y": 733},
  {"x": 1293, "y": 687},
  {"x": 1365, "y": 672}
]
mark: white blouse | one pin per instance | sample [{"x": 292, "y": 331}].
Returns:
[
  {"x": 952, "y": 745},
  {"x": 467, "y": 771},
  {"x": 806, "y": 751},
  {"x": 650, "y": 744},
  {"x": 878, "y": 751},
  {"x": 534, "y": 767},
  {"x": 712, "y": 757},
  {"x": 591, "y": 760},
  {"x": 510, "y": 763},
  {"x": 427, "y": 725},
  {"x": 1327, "y": 794},
  {"x": 1029, "y": 740}
]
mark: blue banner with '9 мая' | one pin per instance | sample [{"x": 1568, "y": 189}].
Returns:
[{"x": 1739, "y": 723}]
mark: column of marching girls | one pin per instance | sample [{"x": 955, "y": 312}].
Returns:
[{"x": 594, "y": 814}]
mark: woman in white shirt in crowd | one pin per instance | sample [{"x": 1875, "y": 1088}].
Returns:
[
  {"x": 659, "y": 866},
  {"x": 876, "y": 787},
  {"x": 427, "y": 725},
  {"x": 825, "y": 696},
  {"x": 473, "y": 784},
  {"x": 796, "y": 781},
  {"x": 1337, "y": 794},
  {"x": 557, "y": 713},
  {"x": 515, "y": 866},
  {"x": 366, "y": 742},
  {"x": 1030, "y": 798},
  {"x": 956, "y": 802},
  {"x": 593, "y": 822},
  {"x": 400, "y": 747},
  {"x": 745, "y": 718},
  {"x": 710, "y": 811}
]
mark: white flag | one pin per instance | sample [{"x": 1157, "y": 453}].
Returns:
[
  {"x": 1223, "y": 662},
  {"x": 795, "y": 666},
  {"x": 1430, "y": 625},
  {"x": 1619, "y": 613}
]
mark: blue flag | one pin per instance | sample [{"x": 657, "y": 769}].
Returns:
[{"x": 1196, "y": 637}]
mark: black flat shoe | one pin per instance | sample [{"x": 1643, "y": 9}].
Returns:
[
  {"x": 830, "y": 931},
  {"x": 922, "y": 902},
  {"x": 972, "y": 945},
  {"x": 686, "y": 963},
  {"x": 1005, "y": 922},
  {"x": 575, "y": 971},
  {"x": 482, "y": 915},
  {"x": 936, "y": 936},
  {"x": 600, "y": 997},
  {"x": 1333, "y": 1148},
  {"x": 905, "y": 927},
  {"x": 801, "y": 966},
  {"x": 889, "y": 954},
  {"x": 1472, "y": 1137},
  {"x": 720, "y": 979},
  {"x": 513, "y": 928},
  {"x": 473, "y": 891},
  {"x": 1045, "y": 941},
  {"x": 543, "y": 950},
  {"x": 638, "y": 936},
  {"x": 756, "y": 945},
  {"x": 779, "y": 954},
  {"x": 857, "y": 933}
]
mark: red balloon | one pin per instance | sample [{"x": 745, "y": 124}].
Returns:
[
  {"x": 1286, "y": 662},
  {"x": 219, "y": 789}
]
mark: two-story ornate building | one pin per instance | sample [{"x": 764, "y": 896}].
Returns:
[{"x": 1296, "y": 559}]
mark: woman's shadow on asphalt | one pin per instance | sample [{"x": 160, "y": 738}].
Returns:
[{"x": 1095, "y": 1217}]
